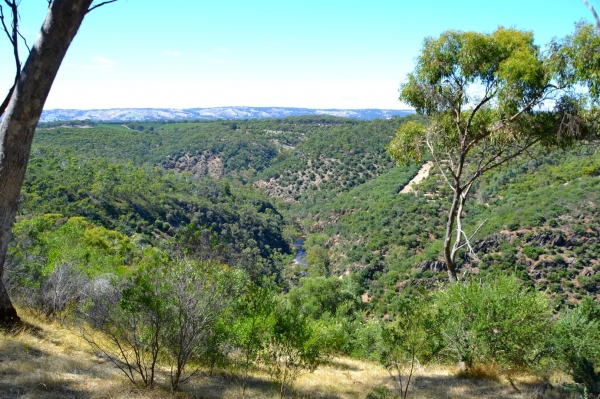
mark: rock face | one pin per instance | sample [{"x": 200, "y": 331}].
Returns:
[
  {"x": 199, "y": 165},
  {"x": 491, "y": 243},
  {"x": 551, "y": 238},
  {"x": 433, "y": 265}
]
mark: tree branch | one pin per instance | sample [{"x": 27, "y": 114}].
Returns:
[
  {"x": 15, "y": 34},
  {"x": 4, "y": 27},
  {"x": 437, "y": 162},
  {"x": 24, "y": 41},
  {"x": 14, "y": 41},
  {"x": 468, "y": 240},
  {"x": 588, "y": 5},
  {"x": 4, "y": 104},
  {"x": 488, "y": 166},
  {"x": 485, "y": 99},
  {"x": 101, "y": 4}
]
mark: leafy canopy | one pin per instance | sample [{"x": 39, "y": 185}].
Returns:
[{"x": 487, "y": 91}]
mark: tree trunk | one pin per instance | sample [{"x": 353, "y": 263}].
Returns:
[
  {"x": 23, "y": 113},
  {"x": 448, "y": 253}
]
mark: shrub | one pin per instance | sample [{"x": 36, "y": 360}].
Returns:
[
  {"x": 380, "y": 392},
  {"x": 576, "y": 341},
  {"x": 512, "y": 226},
  {"x": 168, "y": 307},
  {"x": 412, "y": 340},
  {"x": 532, "y": 252},
  {"x": 293, "y": 345},
  {"x": 494, "y": 321}
]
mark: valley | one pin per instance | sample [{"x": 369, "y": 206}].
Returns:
[{"x": 104, "y": 200}]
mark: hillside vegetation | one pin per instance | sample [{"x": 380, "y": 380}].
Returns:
[{"x": 135, "y": 234}]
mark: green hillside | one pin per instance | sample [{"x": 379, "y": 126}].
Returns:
[
  {"x": 334, "y": 182},
  {"x": 123, "y": 224}
]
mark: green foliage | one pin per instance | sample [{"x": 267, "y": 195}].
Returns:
[
  {"x": 254, "y": 320},
  {"x": 198, "y": 294},
  {"x": 506, "y": 59},
  {"x": 380, "y": 392},
  {"x": 412, "y": 340},
  {"x": 407, "y": 146},
  {"x": 576, "y": 341},
  {"x": 495, "y": 321},
  {"x": 167, "y": 308},
  {"x": 130, "y": 315},
  {"x": 51, "y": 259},
  {"x": 533, "y": 252},
  {"x": 575, "y": 58},
  {"x": 53, "y": 239},
  {"x": 318, "y": 262},
  {"x": 320, "y": 295},
  {"x": 156, "y": 204},
  {"x": 294, "y": 345}
]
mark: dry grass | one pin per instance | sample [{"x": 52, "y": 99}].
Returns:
[{"x": 46, "y": 360}]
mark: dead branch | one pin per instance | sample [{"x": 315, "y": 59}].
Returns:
[
  {"x": 13, "y": 37},
  {"x": 4, "y": 104},
  {"x": 101, "y": 4}
]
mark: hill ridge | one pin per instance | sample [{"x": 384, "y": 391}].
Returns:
[{"x": 213, "y": 113}]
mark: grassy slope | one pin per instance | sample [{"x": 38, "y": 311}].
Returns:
[{"x": 47, "y": 360}]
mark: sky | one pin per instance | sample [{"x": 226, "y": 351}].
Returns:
[{"x": 345, "y": 54}]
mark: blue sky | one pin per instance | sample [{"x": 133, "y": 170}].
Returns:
[{"x": 314, "y": 54}]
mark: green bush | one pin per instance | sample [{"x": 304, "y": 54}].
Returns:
[
  {"x": 497, "y": 321},
  {"x": 576, "y": 342},
  {"x": 414, "y": 338},
  {"x": 533, "y": 252},
  {"x": 294, "y": 345}
]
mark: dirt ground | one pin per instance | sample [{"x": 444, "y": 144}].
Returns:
[{"x": 421, "y": 175}]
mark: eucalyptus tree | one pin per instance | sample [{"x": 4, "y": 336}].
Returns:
[
  {"x": 588, "y": 5},
  {"x": 22, "y": 107},
  {"x": 490, "y": 97}
]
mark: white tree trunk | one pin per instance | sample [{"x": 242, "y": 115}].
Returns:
[{"x": 23, "y": 113}]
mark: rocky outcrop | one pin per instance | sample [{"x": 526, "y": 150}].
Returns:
[
  {"x": 433, "y": 265},
  {"x": 491, "y": 243},
  {"x": 550, "y": 264},
  {"x": 199, "y": 165},
  {"x": 549, "y": 238}
]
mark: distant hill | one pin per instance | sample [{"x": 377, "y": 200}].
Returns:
[{"x": 153, "y": 114}]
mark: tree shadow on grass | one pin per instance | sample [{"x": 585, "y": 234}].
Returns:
[
  {"x": 452, "y": 386},
  {"x": 22, "y": 327},
  {"x": 342, "y": 365},
  {"x": 219, "y": 386},
  {"x": 10, "y": 391}
]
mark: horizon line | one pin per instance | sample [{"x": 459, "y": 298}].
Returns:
[{"x": 226, "y": 106}]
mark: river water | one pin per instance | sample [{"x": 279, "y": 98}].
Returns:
[{"x": 300, "y": 253}]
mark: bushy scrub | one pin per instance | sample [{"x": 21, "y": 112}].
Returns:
[
  {"x": 294, "y": 345},
  {"x": 320, "y": 295},
  {"x": 495, "y": 321},
  {"x": 52, "y": 259},
  {"x": 413, "y": 339},
  {"x": 167, "y": 309},
  {"x": 250, "y": 330},
  {"x": 576, "y": 344}
]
